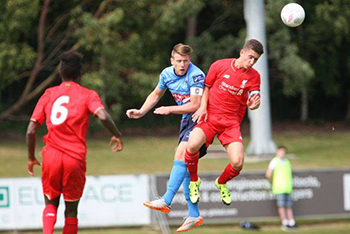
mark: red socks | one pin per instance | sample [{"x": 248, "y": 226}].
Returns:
[
  {"x": 228, "y": 174},
  {"x": 192, "y": 164},
  {"x": 70, "y": 226},
  {"x": 49, "y": 218}
]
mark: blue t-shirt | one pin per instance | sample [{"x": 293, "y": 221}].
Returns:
[{"x": 181, "y": 87}]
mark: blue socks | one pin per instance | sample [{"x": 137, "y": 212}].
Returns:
[
  {"x": 177, "y": 176},
  {"x": 193, "y": 210}
]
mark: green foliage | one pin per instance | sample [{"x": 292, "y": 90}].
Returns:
[
  {"x": 130, "y": 47},
  {"x": 295, "y": 71},
  {"x": 16, "y": 55}
]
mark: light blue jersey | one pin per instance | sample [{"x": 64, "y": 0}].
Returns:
[{"x": 181, "y": 87}]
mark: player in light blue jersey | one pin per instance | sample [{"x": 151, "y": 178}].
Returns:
[{"x": 185, "y": 81}]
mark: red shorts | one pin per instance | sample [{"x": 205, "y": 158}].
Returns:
[
  {"x": 228, "y": 131},
  {"x": 62, "y": 173}
]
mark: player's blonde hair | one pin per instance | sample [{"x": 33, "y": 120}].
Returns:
[
  {"x": 255, "y": 45},
  {"x": 181, "y": 49}
]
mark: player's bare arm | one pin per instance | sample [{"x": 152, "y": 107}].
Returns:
[
  {"x": 107, "y": 121},
  {"x": 253, "y": 102},
  {"x": 268, "y": 174},
  {"x": 150, "y": 102},
  {"x": 202, "y": 110},
  {"x": 190, "y": 107},
  {"x": 31, "y": 139}
]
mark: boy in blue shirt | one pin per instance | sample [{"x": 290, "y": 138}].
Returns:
[{"x": 185, "y": 81}]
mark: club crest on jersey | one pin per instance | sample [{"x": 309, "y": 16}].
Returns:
[
  {"x": 243, "y": 83},
  {"x": 198, "y": 78}
]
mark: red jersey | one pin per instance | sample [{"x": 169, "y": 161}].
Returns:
[
  {"x": 228, "y": 94},
  {"x": 66, "y": 109}
]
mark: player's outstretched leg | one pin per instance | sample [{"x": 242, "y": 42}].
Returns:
[
  {"x": 177, "y": 176},
  {"x": 193, "y": 219}
]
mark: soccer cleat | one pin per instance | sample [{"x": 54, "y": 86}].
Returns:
[
  {"x": 194, "y": 191},
  {"x": 190, "y": 223},
  {"x": 158, "y": 204},
  {"x": 224, "y": 192}
]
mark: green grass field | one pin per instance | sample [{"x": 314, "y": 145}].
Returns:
[{"x": 155, "y": 154}]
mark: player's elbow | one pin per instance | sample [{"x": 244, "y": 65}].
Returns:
[
  {"x": 31, "y": 130},
  {"x": 102, "y": 115}
]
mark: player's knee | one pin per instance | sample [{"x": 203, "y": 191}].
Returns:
[
  {"x": 192, "y": 147},
  {"x": 237, "y": 164}
]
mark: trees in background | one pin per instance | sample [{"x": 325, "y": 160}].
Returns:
[{"x": 126, "y": 44}]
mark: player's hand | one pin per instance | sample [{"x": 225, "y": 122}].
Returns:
[
  {"x": 116, "y": 143},
  {"x": 134, "y": 113},
  {"x": 163, "y": 110},
  {"x": 254, "y": 102},
  {"x": 30, "y": 166},
  {"x": 199, "y": 115}
]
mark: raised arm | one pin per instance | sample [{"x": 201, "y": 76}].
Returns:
[
  {"x": 149, "y": 103},
  {"x": 31, "y": 139},
  {"x": 109, "y": 124}
]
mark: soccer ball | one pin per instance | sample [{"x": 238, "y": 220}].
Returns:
[{"x": 292, "y": 14}]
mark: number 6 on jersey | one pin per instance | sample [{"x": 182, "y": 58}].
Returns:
[{"x": 59, "y": 113}]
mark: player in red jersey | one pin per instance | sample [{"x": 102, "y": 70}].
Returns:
[
  {"x": 231, "y": 86},
  {"x": 66, "y": 109}
]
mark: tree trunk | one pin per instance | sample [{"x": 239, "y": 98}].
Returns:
[
  {"x": 29, "y": 93},
  {"x": 304, "y": 105},
  {"x": 191, "y": 27}
]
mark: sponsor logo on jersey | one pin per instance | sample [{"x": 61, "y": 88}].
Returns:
[
  {"x": 243, "y": 83},
  {"x": 226, "y": 76},
  {"x": 198, "y": 78},
  {"x": 181, "y": 97}
]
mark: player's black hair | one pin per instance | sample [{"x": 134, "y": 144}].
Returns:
[{"x": 70, "y": 66}]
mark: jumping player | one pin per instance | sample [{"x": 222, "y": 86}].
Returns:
[
  {"x": 185, "y": 81},
  {"x": 231, "y": 85},
  {"x": 66, "y": 109}
]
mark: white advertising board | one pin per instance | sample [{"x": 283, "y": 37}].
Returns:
[{"x": 107, "y": 201}]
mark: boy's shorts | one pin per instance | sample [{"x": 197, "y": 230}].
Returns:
[
  {"x": 228, "y": 131},
  {"x": 186, "y": 127},
  {"x": 284, "y": 200},
  {"x": 62, "y": 174}
]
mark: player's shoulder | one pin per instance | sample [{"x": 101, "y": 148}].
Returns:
[
  {"x": 88, "y": 91},
  {"x": 167, "y": 71},
  {"x": 254, "y": 72},
  {"x": 193, "y": 69}
]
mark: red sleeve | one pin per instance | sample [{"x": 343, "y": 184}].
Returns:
[
  {"x": 39, "y": 111},
  {"x": 255, "y": 83},
  {"x": 94, "y": 102},
  {"x": 211, "y": 77}
]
